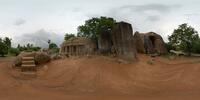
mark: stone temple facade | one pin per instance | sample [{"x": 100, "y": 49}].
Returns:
[{"x": 78, "y": 46}]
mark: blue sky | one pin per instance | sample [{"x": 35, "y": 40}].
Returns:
[{"x": 36, "y": 21}]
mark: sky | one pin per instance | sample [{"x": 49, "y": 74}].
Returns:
[{"x": 37, "y": 21}]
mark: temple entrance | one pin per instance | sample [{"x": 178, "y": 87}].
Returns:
[
  {"x": 153, "y": 44},
  {"x": 152, "y": 39},
  {"x": 74, "y": 49}
]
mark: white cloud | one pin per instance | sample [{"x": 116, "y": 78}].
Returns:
[
  {"x": 60, "y": 16},
  {"x": 149, "y": 17},
  {"x": 19, "y": 22},
  {"x": 39, "y": 38}
]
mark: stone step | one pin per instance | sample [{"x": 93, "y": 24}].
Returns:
[
  {"x": 28, "y": 75},
  {"x": 28, "y": 68},
  {"x": 28, "y": 65},
  {"x": 28, "y": 62},
  {"x": 27, "y": 58}
]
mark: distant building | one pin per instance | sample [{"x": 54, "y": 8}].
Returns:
[{"x": 78, "y": 46}]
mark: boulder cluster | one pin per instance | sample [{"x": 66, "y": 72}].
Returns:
[
  {"x": 39, "y": 58},
  {"x": 124, "y": 44}
]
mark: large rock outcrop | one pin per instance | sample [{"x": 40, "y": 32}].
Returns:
[
  {"x": 105, "y": 42},
  {"x": 149, "y": 43},
  {"x": 139, "y": 43},
  {"x": 123, "y": 43},
  {"x": 42, "y": 58}
]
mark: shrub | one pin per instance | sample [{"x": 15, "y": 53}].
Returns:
[
  {"x": 3, "y": 49},
  {"x": 14, "y": 51}
]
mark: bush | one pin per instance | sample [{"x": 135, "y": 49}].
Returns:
[
  {"x": 3, "y": 49},
  {"x": 14, "y": 51},
  {"x": 5, "y": 44},
  {"x": 28, "y": 48}
]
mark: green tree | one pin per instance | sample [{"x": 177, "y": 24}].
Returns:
[
  {"x": 7, "y": 41},
  {"x": 49, "y": 41},
  {"x": 28, "y": 47},
  {"x": 35, "y": 48},
  {"x": 52, "y": 46},
  {"x": 3, "y": 48},
  {"x": 68, "y": 36},
  {"x": 19, "y": 47},
  {"x": 14, "y": 51},
  {"x": 196, "y": 46},
  {"x": 93, "y": 27},
  {"x": 184, "y": 38}
]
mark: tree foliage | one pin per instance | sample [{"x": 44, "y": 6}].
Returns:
[
  {"x": 14, "y": 51},
  {"x": 5, "y": 44},
  {"x": 3, "y": 48},
  {"x": 184, "y": 38},
  {"x": 68, "y": 36},
  {"x": 196, "y": 46},
  {"x": 7, "y": 41},
  {"x": 28, "y": 47},
  {"x": 93, "y": 27},
  {"x": 52, "y": 46}
]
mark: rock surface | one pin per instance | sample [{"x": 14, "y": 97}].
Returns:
[
  {"x": 105, "y": 42},
  {"x": 149, "y": 43},
  {"x": 139, "y": 43},
  {"x": 42, "y": 58},
  {"x": 123, "y": 43}
]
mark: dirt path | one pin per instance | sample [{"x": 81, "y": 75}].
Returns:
[{"x": 104, "y": 78}]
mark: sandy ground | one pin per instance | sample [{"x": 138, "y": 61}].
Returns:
[{"x": 104, "y": 78}]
